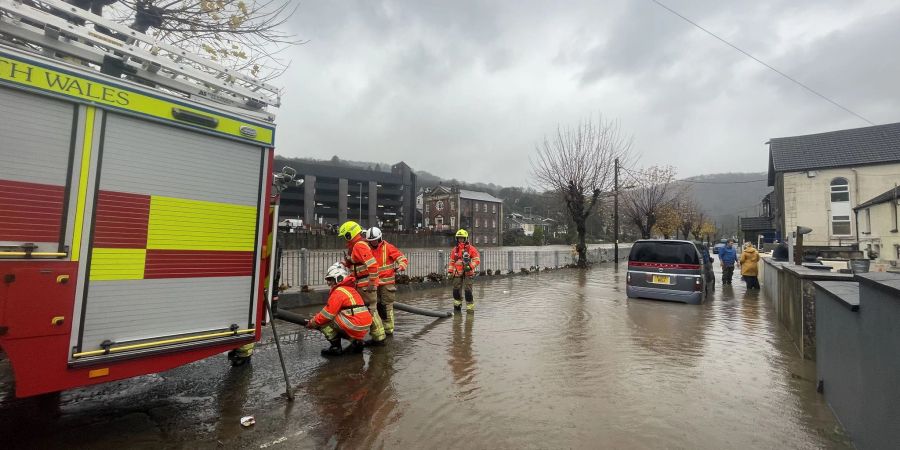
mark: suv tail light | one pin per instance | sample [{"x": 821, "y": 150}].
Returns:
[{"x": 698, "y": 284}]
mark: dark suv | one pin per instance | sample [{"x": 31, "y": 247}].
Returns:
[{"x": 667, "y": 270}]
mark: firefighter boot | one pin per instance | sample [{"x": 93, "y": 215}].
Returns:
[
  {"x": 240, "y": 355},
  {"x": 356, "y": 346},
  {"x": 389, "y": 320},
  {"x": 335, "y": 348},
  {"x": 470, "y": 301},
  {"x": 457, "y": 299}
]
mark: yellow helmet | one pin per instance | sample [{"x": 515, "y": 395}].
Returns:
[
  {"x": 349, "y": 230},
  {"x": 462, "y": 234}
]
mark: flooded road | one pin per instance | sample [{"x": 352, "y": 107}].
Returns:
[{"x": 560, "y": 359}]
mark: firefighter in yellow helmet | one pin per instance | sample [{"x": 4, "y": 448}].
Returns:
[
  {"x": 362, "y": 263},
  {"x": 464, "y": 259}
]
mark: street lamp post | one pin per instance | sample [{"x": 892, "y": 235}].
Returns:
[
  {"x": 360, "y": 203},
  {"x": 616, "y": 214}
]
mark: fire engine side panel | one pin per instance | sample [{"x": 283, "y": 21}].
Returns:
[
  {"x": 175, "y": 234},
  {"x": 33, "y": 168}
]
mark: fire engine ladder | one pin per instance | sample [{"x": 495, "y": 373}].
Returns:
[{"x": 64, "y": 32}]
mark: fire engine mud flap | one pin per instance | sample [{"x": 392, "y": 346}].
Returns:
[{"x": 422, "y": 311}]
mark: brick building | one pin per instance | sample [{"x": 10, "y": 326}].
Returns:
[{"x": 450, "y": 208}]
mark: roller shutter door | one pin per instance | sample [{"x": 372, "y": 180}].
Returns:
[
  {"x": 174, "y": 235},
  {"x": 35, "y": 147}
]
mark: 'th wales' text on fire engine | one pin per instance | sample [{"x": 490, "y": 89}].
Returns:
[{"x": 61, "y": 83}]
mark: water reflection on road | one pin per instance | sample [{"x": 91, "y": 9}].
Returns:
[{"x": 558, "y": 359}]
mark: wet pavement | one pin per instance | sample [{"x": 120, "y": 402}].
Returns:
[{"x": 560, "y": 359}]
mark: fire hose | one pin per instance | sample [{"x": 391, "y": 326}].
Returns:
[{"x": 300, "y": 320}]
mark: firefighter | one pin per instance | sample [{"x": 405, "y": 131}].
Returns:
[
  {"x": 344, "y": 316},
  {"x": 389, "y": 259},
  {"x": 362, "y": 262},
  {"x": 464, "y": 259}
]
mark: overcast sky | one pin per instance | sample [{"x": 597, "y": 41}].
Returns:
[{"x": 466, "y": 89}]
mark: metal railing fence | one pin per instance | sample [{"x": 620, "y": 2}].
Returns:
[{"x": 307, "y": 268}]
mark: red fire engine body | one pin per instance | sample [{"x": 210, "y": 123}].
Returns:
[{"x": 134, "y": 221}]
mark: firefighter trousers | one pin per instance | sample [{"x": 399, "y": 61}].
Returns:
[
  {"x": 387, "y": 293},
  {"x": 461, "y": 283},
  {"x": 376, "y": 330}
]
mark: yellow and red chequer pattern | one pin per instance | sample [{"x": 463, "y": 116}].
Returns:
[{"x": 147, "y": 236}]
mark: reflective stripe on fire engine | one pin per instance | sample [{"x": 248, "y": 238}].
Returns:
[
  {"x": 144, "y": 345},
  {"x": 83, "y": 181}
]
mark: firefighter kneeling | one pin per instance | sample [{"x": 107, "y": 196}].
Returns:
[
  {"x": 464, "y": 259},
  {"x": 344, "y": 316}
]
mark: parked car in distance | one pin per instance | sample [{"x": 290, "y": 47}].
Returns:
[
  {"x": 667, "y": 270},
  {"x": 722, "y": 243}
]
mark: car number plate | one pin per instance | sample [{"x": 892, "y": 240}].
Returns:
[{"x": 660, "y": 279}]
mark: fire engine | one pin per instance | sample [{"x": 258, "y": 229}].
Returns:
[{"x": 136, "y": 193}]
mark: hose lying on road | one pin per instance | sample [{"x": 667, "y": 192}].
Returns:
[
  {"x": 291, "y": 317},
  {"x": 300, "y": 320},
  {"x": 420, "y": 311}
]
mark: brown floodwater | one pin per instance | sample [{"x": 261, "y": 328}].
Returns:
[{"x": 560, "y": 359}]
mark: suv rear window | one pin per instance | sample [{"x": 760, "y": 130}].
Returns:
[{"x": 664, "y": 252}]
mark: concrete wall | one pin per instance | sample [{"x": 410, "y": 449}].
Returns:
[
  {"x": 859, "y": 360},
  {"x": 807, "y": 200},
  {"x": 792, "y": 292}
]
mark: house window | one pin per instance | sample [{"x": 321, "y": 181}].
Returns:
[
  {"x": 452, "y": 206},
  {"x": 840, "y": 225},
  {"x": 494, "y": 209},
  {"x": 840, "y": 190},
  {"x": 495, "y": 239},
  {"x": 840, "y": 207},
  {"x": 426, "y": 208},
  {"x": 493, "y": 223},
  {"x": 867, "y": 221},
  {"x": 476, "y": 207},
  {"x": 452, "y": 222},
  {"x": 476, "y": 223},
  {"x": 439, "y": 205}
]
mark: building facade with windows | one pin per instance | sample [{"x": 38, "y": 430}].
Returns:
[
  {"x": 333, "y": 193},
  {"x": 449, "y": 209},
  {"x": 819, "y": 179}
]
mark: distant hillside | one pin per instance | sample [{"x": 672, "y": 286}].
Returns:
[{"x": 727, "y": 196}]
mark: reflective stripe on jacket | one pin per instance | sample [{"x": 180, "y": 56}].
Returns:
[
  {"x": 362, "y": 262},
  {"x": 346, "y": 309},
  {"x": 456, "y": 260},
  {"x": 389, "y": 257}
]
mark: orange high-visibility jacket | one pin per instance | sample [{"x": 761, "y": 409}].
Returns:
[
  {"x": 346, "y": 309},
  {"x": 389, "y": 257},
  {"x": 456, "y": 260},
  {"x": 362, "y": 262}
]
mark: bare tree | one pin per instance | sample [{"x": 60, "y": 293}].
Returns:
[
  {"x": 654, "y": 189},
  {"x": 244, "y": 35},
  {"x": 577, "y": 163},
  {"x": 689, "y": 213}
]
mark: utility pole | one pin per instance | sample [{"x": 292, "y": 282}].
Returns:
[
  {"x": 360, "y": 203},
  {"x": 616, "y": 213}
]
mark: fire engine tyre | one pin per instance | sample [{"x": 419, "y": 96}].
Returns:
[{"x": 421, "y": 311}]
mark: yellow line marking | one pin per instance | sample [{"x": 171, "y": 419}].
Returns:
[{"x": 83, "y": 180}]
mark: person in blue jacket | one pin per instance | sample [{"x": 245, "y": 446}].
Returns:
[{"x": 728, "y": 258}]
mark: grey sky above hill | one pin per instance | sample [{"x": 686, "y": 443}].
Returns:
[{"x": 466, "y": 89}]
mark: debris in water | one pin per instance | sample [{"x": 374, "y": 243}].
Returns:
[{"x": 248, "y": 421}]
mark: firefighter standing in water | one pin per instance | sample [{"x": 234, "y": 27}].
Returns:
[
  {"x": 464, "y": 259},
  {"x": 389, "y": 259},
  {"x": 344, "y": 316},
  {"x": 365, "y": 269}
]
